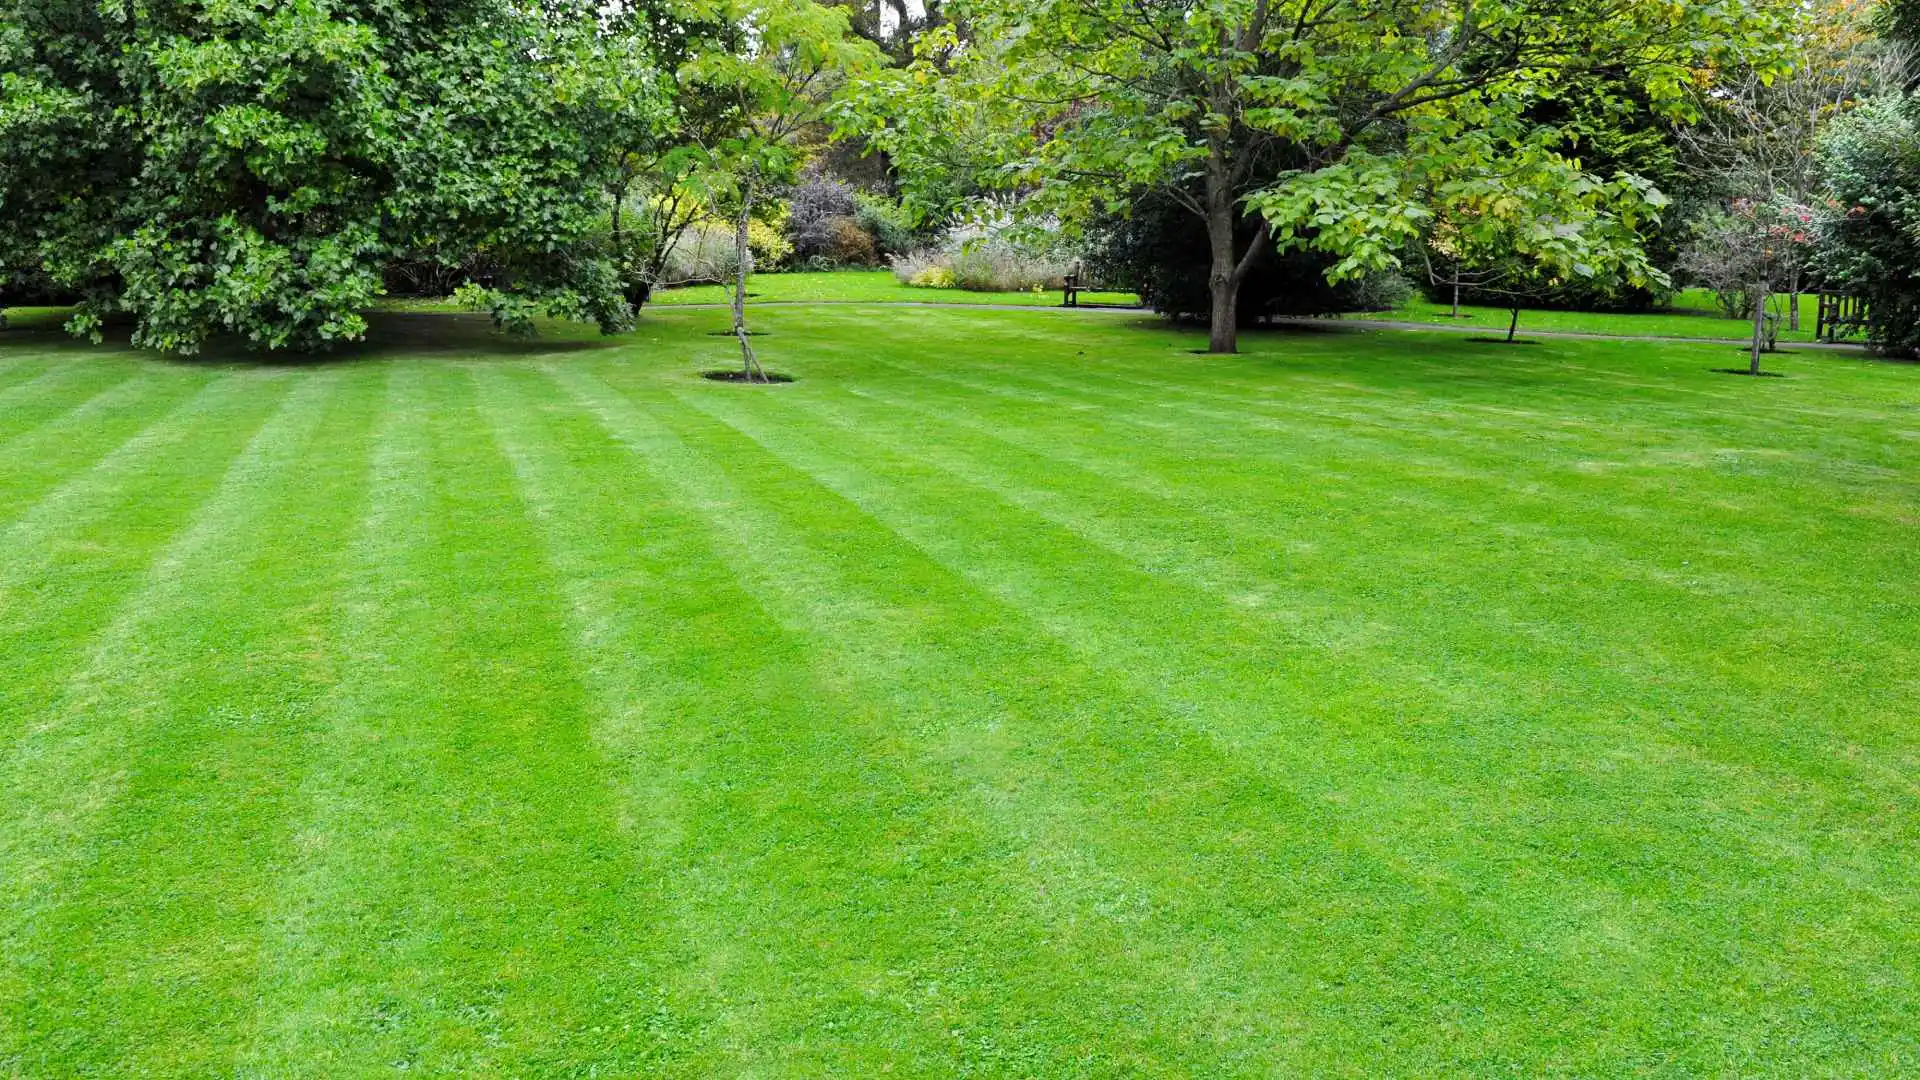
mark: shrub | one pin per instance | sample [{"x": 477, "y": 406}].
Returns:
[
  {"x": 983, "y": 258},
  {"x": 704, "y": 253},
  {"x": 1385, "y": 291},
  {"x": 1161, "y": 252},
  {"x": 1871, "y": 229},
  {"x": 992, "y": 256},
  {"x": 996, "y": 268},
  {"x": 848, "y": 244},
  {"x": 887, "y": 222},
  {"x": 769, "y": 246},
  {"x": 923, "y": 270},
  {"x": 822, "y": 225}
]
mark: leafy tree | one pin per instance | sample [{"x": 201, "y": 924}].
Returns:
[
  {"x": 1372, "y": 105},
  {"x": 250, "y": 169},
  {"x": 1158, "y": 251},
  {"x": 778, "y": 77},
  {"x": 1871, "y": 224},
  {"x": 1758, "y": 135},
  {"x": 1524, "y": 237},
  {"x": 1611, "y": 128},
  {"x": 1747, "y": 252}
]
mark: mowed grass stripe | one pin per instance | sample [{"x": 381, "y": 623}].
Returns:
[
  {"x": 161, "y": 917},
  {"x": 21, "y": 369},
  {"x": 312, "y": 1015},
  {"x": 1593, "y": 519},
  {"x": 1233, "y": 544},
  {"x": 1543, "y": 609},
  {"x": 468, "y": 889},
  {"x": 68, "y": 561},
  {"x": 832, "y": 842},
  {"x": 51, "y": 390},
  {"x": 1176, "y": 690},
  {"x": 73, "y": 440},
  {"x": 1018, "y": 721},
  {"x": 78, "y": 756},
  {"x": 1064, "y": 600},
  {"x": 877, "y": 981},
  {"x": 539, "y": 875},
  {"x": 622, "y": 559},
  {"x": 1342, "y": 391}
]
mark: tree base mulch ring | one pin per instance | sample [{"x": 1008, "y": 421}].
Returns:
[
  {"x": 1749, "y": 374},
  {"x": 1503, "y": 341},
  {"x": 735, "y": 375}
]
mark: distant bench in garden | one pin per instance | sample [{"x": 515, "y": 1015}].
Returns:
[
  {"x": 1076, "y": 283},
  {"x": 1841, "y": 317}
]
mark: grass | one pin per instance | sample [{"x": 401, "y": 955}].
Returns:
[
  {"x": 1694, "y": 314},
  {"x": 872, "y": 286},
  {"x": 1014, "y": 694}
]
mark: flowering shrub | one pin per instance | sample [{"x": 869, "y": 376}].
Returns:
[{"x": 1749, "y": 250}]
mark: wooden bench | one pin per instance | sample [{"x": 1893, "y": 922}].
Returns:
[
  {"x": 1841, "y": 317},
  {"x": 1076, "y": 283}
]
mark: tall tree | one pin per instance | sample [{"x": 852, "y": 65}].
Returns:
[
  {"x": 1371, "y": 104},
  {"x": 250, "y": 169},
  {"x": 1757, "y": 133}
]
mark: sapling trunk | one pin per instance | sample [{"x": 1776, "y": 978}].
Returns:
[
  {"x": 1513, "y": 325},
  {"x": 1456, "y": 296},
  {"x": 1759, "y": 326},
  {"x": 750, "y": 368}
]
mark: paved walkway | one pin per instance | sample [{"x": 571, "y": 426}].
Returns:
[{"x": 1327, "y": 323}]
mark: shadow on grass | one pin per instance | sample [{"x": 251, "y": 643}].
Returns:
[{"x": 389, "y": 334}]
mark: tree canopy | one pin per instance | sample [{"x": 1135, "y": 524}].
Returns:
[
  {"x": 1337, "y": 121},
  {"x": 250, "y": 169}
]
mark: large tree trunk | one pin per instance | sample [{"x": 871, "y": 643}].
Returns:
[
  {"x": 1759, "y": 325},
  {"x": 1223, "y": 324},
  {"x": 1230, "y": 266}
]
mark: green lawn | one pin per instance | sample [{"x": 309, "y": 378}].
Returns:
[
  {"x": 1016, "y": 694},
  {"x": 1694, "y": 314},
  {"x": 879, "y": 286}
]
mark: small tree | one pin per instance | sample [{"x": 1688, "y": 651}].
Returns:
[
  {"x": 779, "y": 73},
  {"x": 1525, "y": 237},
  {"x": 1758, "y": 133},
  {"x": 1746, "y": 254}
]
